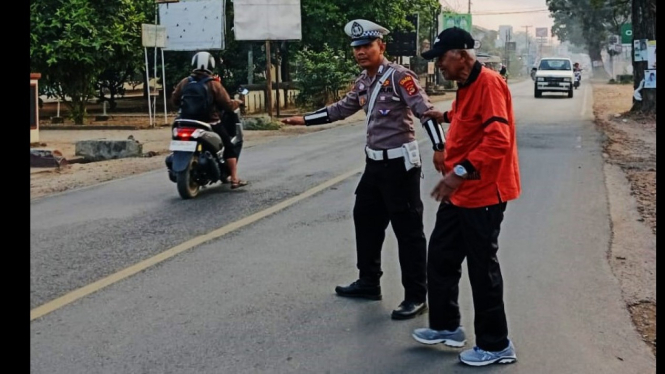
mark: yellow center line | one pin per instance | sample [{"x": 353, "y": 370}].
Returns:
[{"x": 136, "y": 268}]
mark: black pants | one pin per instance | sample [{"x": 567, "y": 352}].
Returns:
[
  {"x": 387, "y": 193},
  {"x": 229, "y": 148},
  {"x": 470, "y": 233}
]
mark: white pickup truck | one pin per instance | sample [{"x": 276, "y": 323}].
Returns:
[{"x": 553, "y": 74}]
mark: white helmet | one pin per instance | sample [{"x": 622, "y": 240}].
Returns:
[{"x": 203, "y": 61}]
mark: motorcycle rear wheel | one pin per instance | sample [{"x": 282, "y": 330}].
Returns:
[{"x": 187, "y": 186}]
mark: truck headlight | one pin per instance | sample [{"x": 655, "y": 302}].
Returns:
[{"x": 540, "y": 79}]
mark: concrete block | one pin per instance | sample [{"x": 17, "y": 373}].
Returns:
[
  {"x": 105, "y": 149},
  {"x": 44, "y": 158}
]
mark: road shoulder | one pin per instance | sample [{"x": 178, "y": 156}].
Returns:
[{"x": 630, "y": 178}]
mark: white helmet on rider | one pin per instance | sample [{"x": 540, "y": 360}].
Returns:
[{"x": 203, "y": 61}]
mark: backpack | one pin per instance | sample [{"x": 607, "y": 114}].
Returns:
[{"x": 195, "y": 101}]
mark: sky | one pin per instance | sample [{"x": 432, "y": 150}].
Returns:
[{"x": 490, "y": 14}]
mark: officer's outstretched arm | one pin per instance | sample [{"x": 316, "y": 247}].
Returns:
[{"x": 334, "y": 112}]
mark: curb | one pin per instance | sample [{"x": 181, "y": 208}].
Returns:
[{"x": 110, "y": 127}]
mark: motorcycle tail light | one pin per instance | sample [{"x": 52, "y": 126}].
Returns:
[{"x": 184, "y": 132}]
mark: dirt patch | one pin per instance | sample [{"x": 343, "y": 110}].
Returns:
[
  {"x": 644, "y": 317},
  {"x": 630, "y": 144}
]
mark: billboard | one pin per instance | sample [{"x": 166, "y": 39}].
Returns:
[
  {"x": 627, "y": 33},
  {"x": 461, "y": 20},
  {"x": 404, "y": 43},
  {"x": 193, "y": 25},
  {"x": 541, "y": 32},
  {"x": 267, "y": 20}
]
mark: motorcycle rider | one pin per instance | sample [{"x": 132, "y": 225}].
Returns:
[
  {"x": 203, "y": 63},
  {"x": 577, "y": 71}
]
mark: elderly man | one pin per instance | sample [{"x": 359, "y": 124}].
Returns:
[
  {"x": 389, "y": 189},
  {"x": 480, "y": 175}
]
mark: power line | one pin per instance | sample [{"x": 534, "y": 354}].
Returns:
[{"x": 501, "y": 12}]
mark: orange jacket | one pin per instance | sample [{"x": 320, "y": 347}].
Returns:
[{"x": 481, "y": 137}]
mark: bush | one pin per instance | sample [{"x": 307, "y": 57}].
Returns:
[
  {"x": 625, "y": 78},
  {"x": 320, "y": 76},
  {"x": 260, "y": 123}
]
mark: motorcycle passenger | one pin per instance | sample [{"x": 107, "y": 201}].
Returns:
[
  {"x": 577, "y": 71},
  {"x": 203, "y": 64}
]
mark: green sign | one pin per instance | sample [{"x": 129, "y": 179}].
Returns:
[
  {"x": 627, "y": 33},
  {"x": 461, "y": 20}
]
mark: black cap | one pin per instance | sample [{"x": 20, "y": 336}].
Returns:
[{"x": 450, "y": 38}]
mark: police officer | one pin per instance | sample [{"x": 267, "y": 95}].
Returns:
[{"x": 389, "y": 189}]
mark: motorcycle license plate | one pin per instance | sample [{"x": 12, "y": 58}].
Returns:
[{"x": 182, "y": 145}]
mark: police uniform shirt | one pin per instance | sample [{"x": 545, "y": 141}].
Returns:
[{"x": 391, "y": 121}]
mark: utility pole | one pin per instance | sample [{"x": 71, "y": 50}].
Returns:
[
  {"x": 268, "y": 81},
  {"x": 528, "y": 50},
  {"x": 469, "y": 6}
]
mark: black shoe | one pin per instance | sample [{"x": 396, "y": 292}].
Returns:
[
  {"x": 408, "y": 310},
  {"x": 361, "y": 289}
]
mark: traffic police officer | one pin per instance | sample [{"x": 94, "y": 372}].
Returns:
[{"x": 389, "y": 189}]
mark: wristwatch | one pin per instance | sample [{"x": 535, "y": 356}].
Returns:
[{"x": 460, "y": 171}]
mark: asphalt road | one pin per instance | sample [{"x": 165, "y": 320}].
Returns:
[{"x": 128, "y": 278}]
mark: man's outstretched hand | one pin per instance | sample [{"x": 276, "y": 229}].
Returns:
[{"x": 295, "y": 121}]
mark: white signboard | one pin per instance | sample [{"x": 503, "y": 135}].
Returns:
[
  {"x": 193, "y": 25},
  {"x": 267, "y": 20},
  {"x": 541, "y": 32},
  {"x": 430, "y": 68},
  {"x": 153, "y": 36}
]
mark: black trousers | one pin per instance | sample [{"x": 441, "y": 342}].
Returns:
[
  {"x": 473, "y": 234},
  {"x": 222, "y": 130},
  {"x": 387, "y": 193}
]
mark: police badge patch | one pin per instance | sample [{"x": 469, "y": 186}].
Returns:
[
  {"x": 409, "y": 85},
  {"x": 356, "y": 30}
]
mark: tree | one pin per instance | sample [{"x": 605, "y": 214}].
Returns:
[
  {"x": 588, "y": 23},
  {"x": 320, "y": 76},
  {"x": 72, "y": 42},
  {"x": 644, "y": 27},
  {"x": 324, "y": 20}
]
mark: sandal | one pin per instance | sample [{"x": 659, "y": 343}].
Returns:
[{"x": 237, "y": 184}]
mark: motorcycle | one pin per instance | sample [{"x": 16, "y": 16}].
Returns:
[
  {"x": 196, "y": 158},
  {"x": 578, "y": 78}
]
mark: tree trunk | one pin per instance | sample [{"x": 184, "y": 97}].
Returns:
[
  {"x": 77, "y": 108},
  {"x": 644, "y": 27},
  {"x": 599, "y": 71}
]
